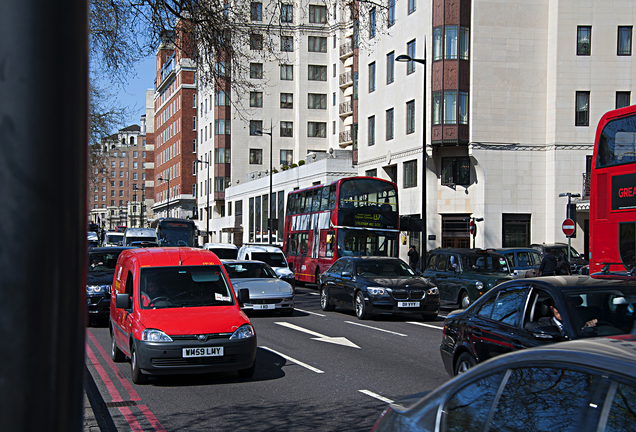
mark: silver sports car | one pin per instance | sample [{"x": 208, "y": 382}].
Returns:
[{"x": 267, "y": 291}]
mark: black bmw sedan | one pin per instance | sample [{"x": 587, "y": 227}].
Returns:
[{"x": 377, "y": 285}]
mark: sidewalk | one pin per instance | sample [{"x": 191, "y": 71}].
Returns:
[{"x": 96, "y": 415}]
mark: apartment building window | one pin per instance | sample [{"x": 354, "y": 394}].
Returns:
[
  {"x": 625, "y": 41},
  {"x": 463, "y": 108},
  {"x": 464, "y": 42},
  {"x": 450, "y": 107},
  {"x": 334, "y": 98},
  {"x": 372, "y": 23},
  {"x": 286, "y": 157},
  {"x": 256, "y": 41},
  {"x": 410, "y": 117},
  {"x": 371, "y": 77},
  {"x": 220, "y": 69},
  {"x": 317, "y": 101},
  {"x": 112, "y": 193},
  {"x": 194, "y": 123},
  {"x": 410, "y": 174},
  {"x": 317, "y": 73},
  {"x": 317, "y": 14},
  {"x": 256, "y": 156},
  {"x": 112, "y": 183},
  {"x": 412, "y": 6},
  {"x": 134, "y": 176},
  {"x": 622, "y": 99},
  {"x": 121, "y": 183},
  {"x": 256, "y": 99},
  {"x": 371, "y": 131},
  {"x": 371, "y": 173},
  {"x": 134, "y": 155},
  {"x": 450, "y": 42},
  {"x": 121, "y": 174},
  {"x": 334, "y": 70},
  {"x": 256, "y": 126},
  {"x": 391, "y": 16},
  {"x": 112, "y": 164},
  {"x": 286, "y": 129},
  {"x": 287, "y": 100},
  {"x": 317, "y": 44},
  {"x": 287, "y": 72},
  {"x": 437, "y": 43},
  {"x": 317, "y": 129},
  {"x": 410, "y": 50},
  {"x": 219, "y": 184},
  {"x": 256, "y": 11},
  {"x": 390, "y": 67},
  {"x": 222, "y": 155},
  {"x": 583, "y": 40},
  {"x": 134, "y": 165},
  {"x": 456, "y": 171},
  {"x": 333, "y": 127},
  {"x": 222, "y": 126},
  {"x": 582, "y": 108},
  {"x": 390, "y": 124},
  {"x": 287, "y": 43},
  {"x": 287, "y": 13},
  {"x": 256, "y": 70}
]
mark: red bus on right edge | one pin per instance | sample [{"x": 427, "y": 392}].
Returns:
[
  {"x": 613, "y": 192},
  {"x": 350, "y": 216}
]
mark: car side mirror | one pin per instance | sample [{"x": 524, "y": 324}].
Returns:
[
  {"x": 550, "y": 332},
  {"x": 244, "y": 296},
  {"x": 122, "y": 301},
  {"x": 346, "y": 274}
]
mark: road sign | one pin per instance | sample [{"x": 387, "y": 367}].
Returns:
[
  {"x": 473, "y": 228},
  {"x": 568, "y": 227}
]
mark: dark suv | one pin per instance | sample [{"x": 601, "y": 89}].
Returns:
[
  {"x": 464, "y": 275},
  {"x": 576, "y": 259}
]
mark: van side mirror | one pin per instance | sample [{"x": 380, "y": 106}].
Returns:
[
  {"x": 244, "y": 296},
  {"x": 122, "y": 301}
]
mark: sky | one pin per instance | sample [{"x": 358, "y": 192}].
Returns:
[{"x": 133, "y": 95}]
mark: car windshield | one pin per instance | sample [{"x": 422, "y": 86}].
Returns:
[
  {"x": 393, "y": 268},
  {"x": 131, "y": 239},
  {"x": 183, "y": 286},
  {"x": 485, "y": 263},
  {"x": 274, "y": 259},
  {"x": 114, "y": 238},
  {"x": 249, "y": 270},
  {"x": 613, "y": 309},
  {"x": 223, "y": 253},
  {"x": 102, "y": 261},
  {"x": 558, "y": 250}
]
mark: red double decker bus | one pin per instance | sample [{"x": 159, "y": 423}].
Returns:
[
  {"x": 613, "y": 192},
  {"x": 351, "y": 216}
]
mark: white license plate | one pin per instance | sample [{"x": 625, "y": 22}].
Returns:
[
  {"x": 263, "y": 306},
  {"x": 203, "y": 352},
  {"x": 408, "y": 304}
]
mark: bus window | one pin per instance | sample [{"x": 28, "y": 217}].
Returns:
[
  {"x": 332, "y": 197},
  {"x": 330, "y": 242},
  {"x": 315, "y": 206},
  {"x": 293, "y": 244},
  {"x": 304, "y": 244},
  {"x": 308, "y": 200},
  {"x": 324, "y": 198}
]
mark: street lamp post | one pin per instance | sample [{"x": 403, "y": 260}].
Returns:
[
  {"x": 207, "y": 209},
  {"x": 569, "y": 195},
  {"x": 422, "y": 61},
  {"x": 271, "y": 174},
  {"x": 167, "y": 195}
]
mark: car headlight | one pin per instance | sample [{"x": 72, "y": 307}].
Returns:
[
  {"x": 153, "y": 335},
  {"x": 479, "y": 285},
  {"x": 243, "y": 332},
  {"x": 378, "y": 291},
  {"x": 96, "y": 289},
  {"x": 432, "y": 291}
]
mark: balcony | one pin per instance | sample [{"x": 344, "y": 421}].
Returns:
[
  {"x": 345, "y": 138},
  {"x": 346, "y": 108},
  {"x": 346, "y": 50},
  {"x": 346, "y": 79},
  {"x": 167, "y": 68}
]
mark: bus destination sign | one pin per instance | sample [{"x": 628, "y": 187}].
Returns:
[
  {"x": 366, "y": 220},
  {"x": 624, "y": 192}
]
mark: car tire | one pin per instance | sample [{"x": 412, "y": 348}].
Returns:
[
  {"x": 325, "y": 300},
  {"x": 287, "y": 312},
  {"x": 464, "y": 300},
  {"x": 249, "y": 372},
  {"x": 360, "y": 306},
  {"x": 464, "y": 362},
  {"x": 138, "y": 377},
  {"x": 430, "y": 316},
  {"x": 116, "y": 354}
]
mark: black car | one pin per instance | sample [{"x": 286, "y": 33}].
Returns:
[
  {"x": 528, "y": 312},
  {"x": 583, "y": 386},
  {"x": 377, "y": 285},
  {"x": 576, "y": 259},
  {"x": 99, "y": 279}
]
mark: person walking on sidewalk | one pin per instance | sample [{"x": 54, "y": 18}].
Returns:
[{"x": 414, "y": 257}]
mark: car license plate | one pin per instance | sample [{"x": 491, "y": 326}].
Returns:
[
  {"x": 203, "y": 352},
  {"x": 408, "y": 304},
  {"x": 264, "y": 306}
]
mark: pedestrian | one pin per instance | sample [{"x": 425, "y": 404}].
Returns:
[
  {"x": 563, "y": 265},
  {"x": 414, "y": 257},
  {"x": 548, "y": 265}
]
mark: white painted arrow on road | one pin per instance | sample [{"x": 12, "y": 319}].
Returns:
[{"x": 320, "y": 337}]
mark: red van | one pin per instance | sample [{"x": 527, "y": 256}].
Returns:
[{"x": 173, "y": 310}]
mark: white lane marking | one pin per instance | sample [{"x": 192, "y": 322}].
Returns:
[
  {"x": 309, "y": 312},
  {"x": 291, "y": 359},
  {"x": 425, "y": 325},
  {"x": 375, "y": 328},
  {"x": 375, "y": 395},
  {"x": 320, "y": 337}
]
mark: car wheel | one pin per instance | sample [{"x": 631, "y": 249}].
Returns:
[
  {"x": 138, "y": 377},
  {"x": 287, "y": 312},
  {"x": 361, "y": 309},
  {"x": 115, "y": 353},
  {"x": 464, "y": 362},
  {"x": 464, "y": 300},
  {"x": 325, "y": 301},
  {"x": 430, "y": 316},
  {"x": 249, "y": 372}
]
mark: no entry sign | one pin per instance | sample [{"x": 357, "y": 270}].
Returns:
[{"x": 568, "y": 227}]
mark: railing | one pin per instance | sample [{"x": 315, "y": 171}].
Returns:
[
  {"x": 345, "y": 137},
  {"x": 346, "y": 78},
  {"x": 586, "y": 184},
  {"x": 346, "y": 107},
  {"x": 167, "y": 68},
  {"x": 346, "y": 49}
]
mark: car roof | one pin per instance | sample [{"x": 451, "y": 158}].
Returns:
[
  {"x": 254, "y": 248},
  {"x": 237, "y": 261},
  {"x": 514, "y": 249},
  {"x": 111, "y": 249},
  {"x": 465, "y": 251},
  {"x": 575, "y": 281},
  {"x": 220, "y": 245},
  {"x": 171, "y": 256},
  {"x": 136, "y": 231},
  {"x": 374, "y": 258}
]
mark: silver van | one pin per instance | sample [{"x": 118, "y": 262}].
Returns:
[{"x": 139, "y": 235}]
